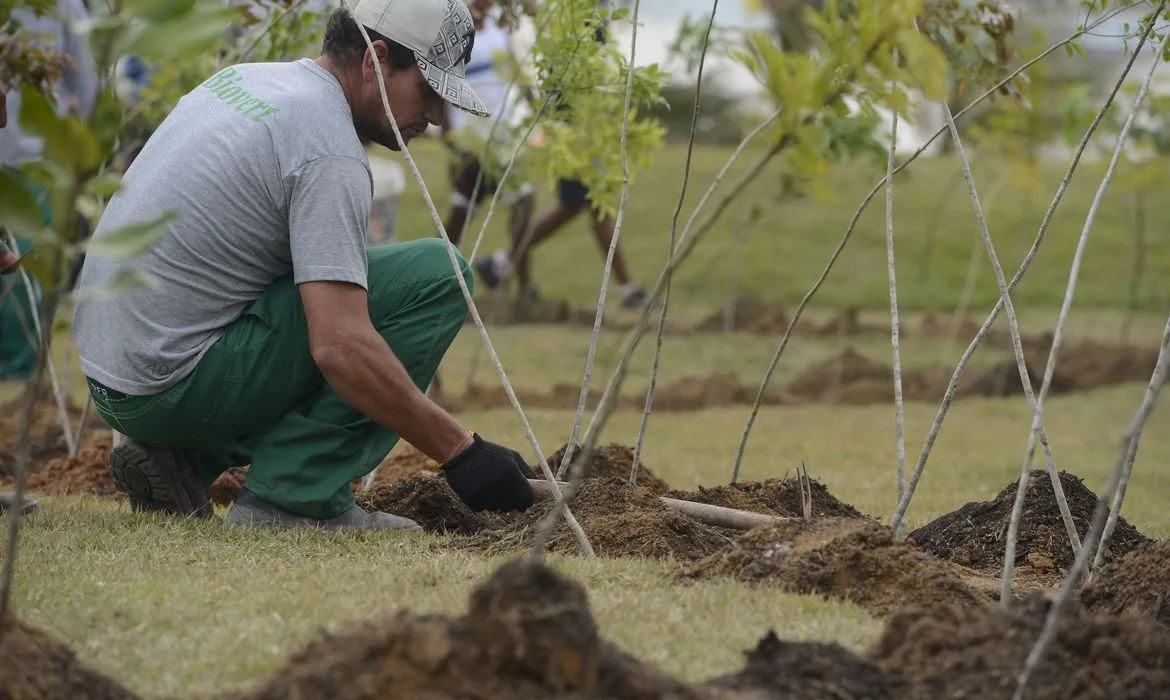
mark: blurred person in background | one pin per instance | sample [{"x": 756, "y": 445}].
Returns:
[{"x": 75, "y": 92}]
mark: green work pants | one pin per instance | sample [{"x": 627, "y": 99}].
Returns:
[{"x": 257, "y": 397}]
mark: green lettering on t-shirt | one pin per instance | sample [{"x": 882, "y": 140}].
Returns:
[{"x": 225, "y": 86}]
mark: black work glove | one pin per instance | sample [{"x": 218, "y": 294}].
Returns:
[{"x": 487, "y": 476}]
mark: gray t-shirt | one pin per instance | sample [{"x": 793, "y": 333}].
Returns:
[{"x": 264, "y": 166}]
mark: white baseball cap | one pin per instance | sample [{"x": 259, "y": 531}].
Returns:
[{"x": 439, "y": 32}]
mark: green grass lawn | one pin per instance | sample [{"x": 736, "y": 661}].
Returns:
[
  {"x": 784, "y": 252},
  {"x": 177, "y": 608}
]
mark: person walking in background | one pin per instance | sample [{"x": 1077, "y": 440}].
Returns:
[
  {"x": 572, "y": 200},
  {"x": 492, "y": 40},
  {"x": 75, "y": 92}
]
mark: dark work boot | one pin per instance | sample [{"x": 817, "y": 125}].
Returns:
[
  {"x": 250, "y": 509},
  {"x": 158, "y": 479}
]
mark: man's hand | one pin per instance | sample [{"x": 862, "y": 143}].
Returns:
[{"x": 487, "y": 476}]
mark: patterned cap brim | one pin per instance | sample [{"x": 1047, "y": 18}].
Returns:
[{"x": 452, "y": 88}]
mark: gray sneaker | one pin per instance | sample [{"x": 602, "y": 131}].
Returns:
[
  {"x": 250, "y": 509},
  {"x": 8, "y": 502},
  {"x": 158, "y": 479}
]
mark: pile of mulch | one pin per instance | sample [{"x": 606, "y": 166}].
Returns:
[
  {"x": 781, "y": 497},
  {"x": 1135, "y": 584},
  {"x": 961, "y": 651},
  {"x": 849, "y": 559},
  {"x": 975, "y": 536}
]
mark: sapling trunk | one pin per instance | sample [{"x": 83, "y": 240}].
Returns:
[
  {"x": 670, "y": 251},
  {"x": 1025, "y": 265},
  {"x": 1139, "y": 261},
  {"x": 1124, "y": 465},
  {"x": 569, "y": 518},
  {"x": 1058, "y": 334},
  {"x": 619, "y": 220},
  {"x": 899, "y": 415}
]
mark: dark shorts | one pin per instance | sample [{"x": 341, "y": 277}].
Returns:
[
  {"x": 573, "y": 192},
  {"x": 465, "y": 175}
]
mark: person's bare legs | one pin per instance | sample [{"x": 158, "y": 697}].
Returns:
[
  {"x": 456, "y": 220},
  {"x": 545, "y": 226},
  {"x": 603, "y": 228}
]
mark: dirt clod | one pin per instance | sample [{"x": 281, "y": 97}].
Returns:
[
  {"x": 427, "y": 500},
  {"x": 975, "y": 535},
  {"x": 35, "y": 666},
  {"x": 1137, "y": 584},
  {"x": 809, "y": 671},
  {"x": 850, "y": 559},
  {"x": 956, "y": 651}
]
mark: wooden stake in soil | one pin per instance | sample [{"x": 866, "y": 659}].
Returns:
[
  {"x": 438, "y": 221},
  {"x": 718, "y": 516},
  {"x": 960, "y": 368}
]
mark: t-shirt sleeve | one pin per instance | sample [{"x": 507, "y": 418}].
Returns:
[{"x": 328, "y": 216}]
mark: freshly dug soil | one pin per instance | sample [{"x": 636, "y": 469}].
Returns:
[
  {"x": 1138, "y": 583},
  {"x": 403, "y": 461},
  {"x": 975, "y": 535},
  {"x": 773, "y": 497},
  {"x": 228, "y": 486},
  {"x": 957, "y": 651},
  {"x": 749, "y": 316},
  {"x": 615, "y": 460},
  {"x": 825, "y": 379},
  {"x": 46, "y": 441},
  {"x": 543, "y": 643},
  {"x": 426, "y": 499},
  {"x": 621, "y": 520},
  {"x": 87, "y": 472},
  {"x": 809, "y": 671},
  {"x": 850, "y": 559},
  {"x": 35, "y": 666}
]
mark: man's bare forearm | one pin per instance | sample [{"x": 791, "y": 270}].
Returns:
[{"x": 364, "y": 371}]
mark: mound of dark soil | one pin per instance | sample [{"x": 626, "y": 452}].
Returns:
[
  {"x": 87, "y": 472},
  {"x": 528, "y": 633},
  {"x": 749, "y": 316},
  {"x": 620, "y": 519},
  {"x": 718, "y": 389},
  {"x": 827, "y": 379},
  {"x": 780, "y": 497},
  {"x": 615, "y": 460},
  {"x": 427, "y": 500},
  {"x": 46, "y": 440},
  {"x": 35, "y": 666},
  {"x": 809, "y": 671},
  {"x": 957, "y": 651},
  {"x": 1087, "y": 364},
  {"x": 849, "y": 559},
  {"x": 975, "y": 535},
  {"x": 1138, "y": 583},
  {"x": 630, "y": 521}
]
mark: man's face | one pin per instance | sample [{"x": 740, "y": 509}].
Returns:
[{"x": 414, "y": 104}]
